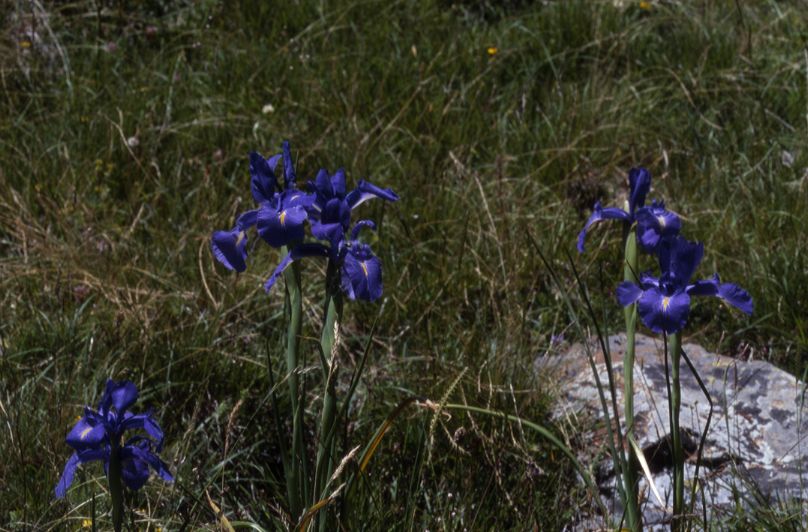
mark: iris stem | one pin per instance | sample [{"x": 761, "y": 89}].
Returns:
[
  {"x": 116, "y": 486},
  {"x": 296, "y": 477},
  {"x": 328, "y": 341},
  {"x": 674, "y": 348},
  {"x": 630, "y": 481}
]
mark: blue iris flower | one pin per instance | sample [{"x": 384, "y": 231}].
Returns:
[
  {"x": 653, "y": 223},
  {"x": 664, "y": 302},
  {"x": 330, "y": 212},
  {"x": 279, "y": 218},
  {"x": 100, "y": 431},
  {"x": 360, "y": 269}
]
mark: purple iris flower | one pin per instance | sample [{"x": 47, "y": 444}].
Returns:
[
  {"x": 279, "y": 218},
  {"x": 100, "y": 431},
  {"x": 653, "y": 223},
  {"x": 360, "y": 269},
  {"x": 664, "y": 302},
  {"x": 330, "y": 213}
]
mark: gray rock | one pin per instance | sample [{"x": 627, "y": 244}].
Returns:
[{"x": 755, "y": 449}]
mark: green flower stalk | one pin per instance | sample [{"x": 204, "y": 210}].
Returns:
[
  {"x": 297, "y": 478},
  {"x": 674, "y": 342},
  {"x": 630, "y": 485}
]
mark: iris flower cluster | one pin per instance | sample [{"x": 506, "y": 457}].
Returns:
[
  {"x": 100, "y": 432},
  {"x": 664, "y": 301},
  {"x": 280, "y": 220}
]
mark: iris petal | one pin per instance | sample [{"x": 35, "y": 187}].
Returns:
[
  {"x": 67, "y": 476},
  {"x": 662, "y": 313},
  {"x": 648, "y": 236},
  {"x": 599, "y": 213},
  {"x": 137, "y": 457},
  {"x": 333, "y": 221},
  {"x": 91, "y": 455},
  {"x": 160, "y": 467},
  {"x": 628, "y": 293},
  {"x": 262, "y": 178},
  {"x": 123, "y": 394},
  {"x": 639, "y": 180},
  {"x": 134, "y": 471},
  {"x": 729, "y": 292},
  {"x": 737, "y": 297},
  {"x": 362, "y": 274},
  {"x": 647, "y": 280},
  {"x": 86, "y": 434},
  {"x": 366, "y": 190},
  {"x": 705, "y": 287},
  {"x": 678, "y": 258},
  {"x": 273, "y": 162},
  {"x": 78, "y": 457},
  {"x": 655, "y": 223},
  {"x": 147, "y": 423},
  {"x": 247, "y": 220},
  {"x": 322, "y": 185},
  {"x": 329, "y": 186},
  {"x": 332, "y": 232},
  {"x": 289, "y": 175},
  {"x": 338, "y": 185},
  {"x": 362, "y": 224},
  {"x": 281, "y": 227},
  {"x": 230, "y": 249},
  {"x": 296, "y": 198}
]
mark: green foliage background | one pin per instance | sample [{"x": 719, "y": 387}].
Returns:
[{"x": 124, "y": 129}]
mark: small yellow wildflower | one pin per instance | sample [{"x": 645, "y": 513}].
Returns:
[
  {"x": 25, "y": 44},
  {"x": 645, "y": 6},
  {"x": 86, "y": 523},
  {"x": 492, "y": 50}
]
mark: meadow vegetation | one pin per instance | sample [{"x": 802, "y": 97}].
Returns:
[{"x": 124, "y": 134}]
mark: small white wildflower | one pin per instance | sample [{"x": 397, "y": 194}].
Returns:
[{"x": 787, "y": 158}]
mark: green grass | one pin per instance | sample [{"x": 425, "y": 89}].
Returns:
[{"x": 104, "y": 254}]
